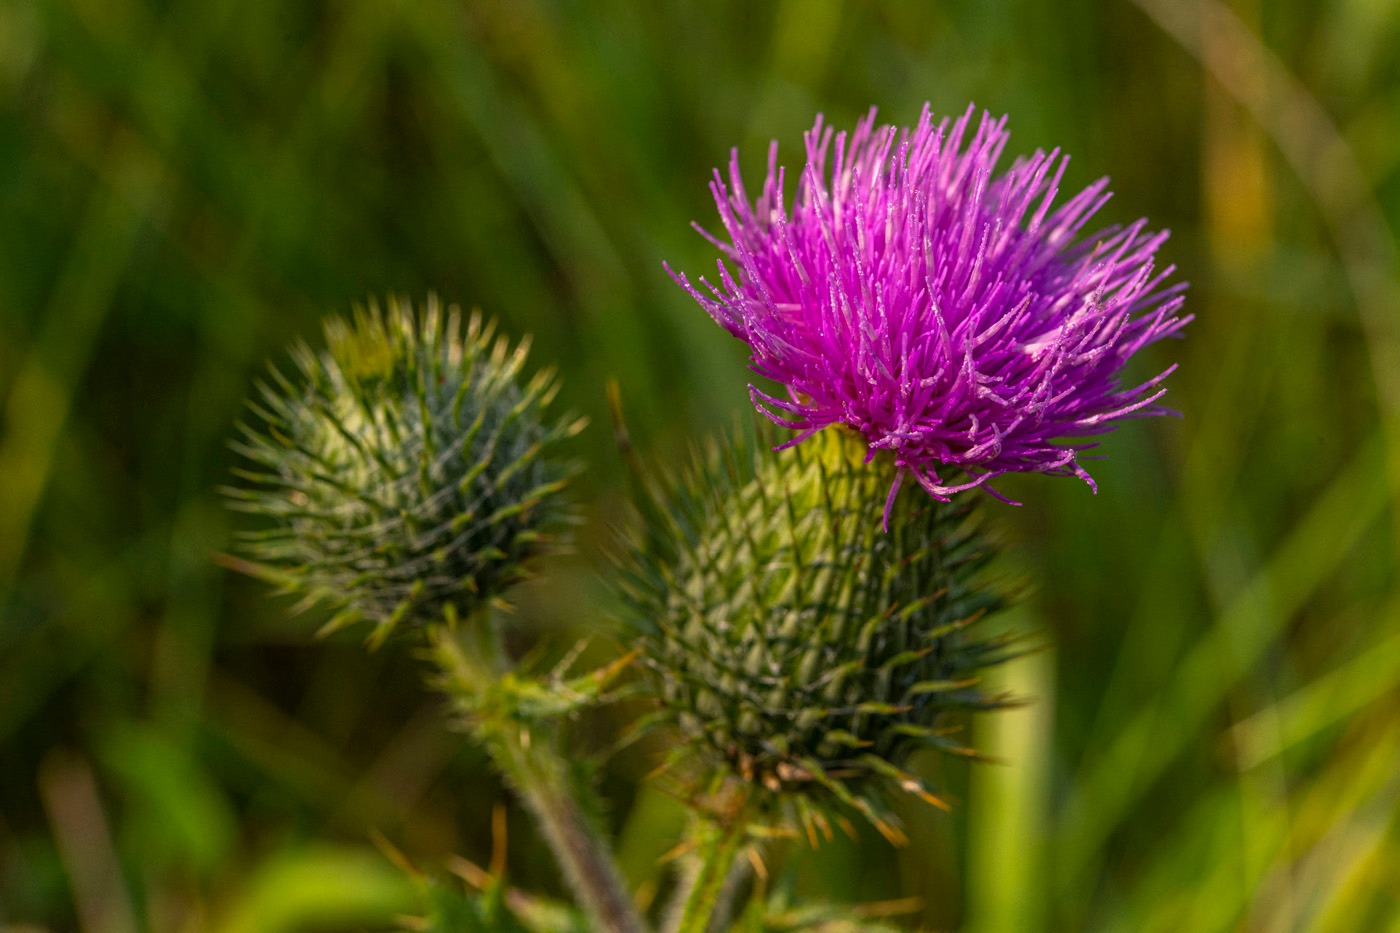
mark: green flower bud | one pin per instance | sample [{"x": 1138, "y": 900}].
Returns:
[
  {"x": 409, "y": 475},
  {"x": 796, "y": 645}
]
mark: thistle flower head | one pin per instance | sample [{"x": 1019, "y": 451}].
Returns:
[
  {"x": 951, "y": 315},
  {"x": 795, "y": 647},
  {"x": 408, "y": 473}
]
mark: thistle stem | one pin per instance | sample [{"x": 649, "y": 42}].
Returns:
[
  {"x": 527, "y": 755},
  {"x": 717, "y": 845}
]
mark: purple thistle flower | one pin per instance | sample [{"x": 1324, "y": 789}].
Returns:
[{"x": 950, "y": 316}]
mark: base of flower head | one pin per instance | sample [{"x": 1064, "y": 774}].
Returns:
[
  {"x": 796, "y": 647},
  {"x": 1063, "y": 462}
]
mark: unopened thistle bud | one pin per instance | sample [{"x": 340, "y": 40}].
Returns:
[
  {"x": 408, "y": 472},
  {"x": 798, "y": 647}
]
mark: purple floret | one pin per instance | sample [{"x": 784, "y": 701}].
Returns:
[{"x": 949, "y": 315}]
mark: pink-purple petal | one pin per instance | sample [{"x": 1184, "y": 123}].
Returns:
[{"x": 951, "y": 315}]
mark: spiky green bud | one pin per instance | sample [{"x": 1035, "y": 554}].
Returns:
[
  {"x": 795, "y": 643},
  {"x": 409, "y": 473}
]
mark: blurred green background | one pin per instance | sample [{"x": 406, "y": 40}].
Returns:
[{"x": 1214, "y": 737}]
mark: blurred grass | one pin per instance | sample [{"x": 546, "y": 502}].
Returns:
[{"x": 186, "y": 187}]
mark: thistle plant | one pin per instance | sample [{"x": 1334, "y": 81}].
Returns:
[
  {"x": 411, "y": 479},
  {"x": 804, "y": 628},
  {"x": 921, "y": 316}
]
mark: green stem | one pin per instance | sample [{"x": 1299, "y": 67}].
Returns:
[
  {"x": 541, "y": 777},
  {"x": 717, "y": 846},
  {"x": 542, "y": 780}
]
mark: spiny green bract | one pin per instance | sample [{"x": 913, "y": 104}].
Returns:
[
  {"x": 409, "y": 473},
  {"x": 799, "y": 646}
]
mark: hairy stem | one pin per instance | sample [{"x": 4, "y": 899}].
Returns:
[
  {"x": 717, "y": 845},
  {"x": 526, "y": 753}
]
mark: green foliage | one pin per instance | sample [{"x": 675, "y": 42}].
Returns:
[
  {"x": 454, "y": 911},
  {"x": 405, "y": 468},
  {"x": 795, "y": 640},
  {"x": 814, "y": 918},
  {"x": 493, "y": 907},
  {"x": 318, "y": 888},
  {"x": 187, "y": 187}
]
